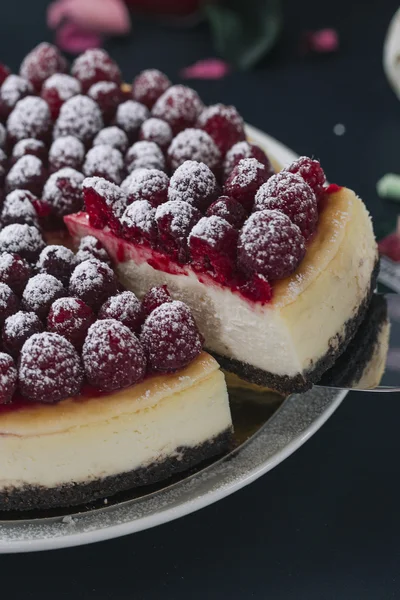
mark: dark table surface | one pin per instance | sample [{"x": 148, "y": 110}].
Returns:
[{"x": 325, "y": 524}]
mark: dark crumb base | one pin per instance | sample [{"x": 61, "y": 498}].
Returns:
[
  {"x": 303, "y": 382},
  {"x": 41, "y": 498}
]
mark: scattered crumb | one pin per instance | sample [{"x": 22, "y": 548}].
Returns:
[{"x": 68, "y": 520}]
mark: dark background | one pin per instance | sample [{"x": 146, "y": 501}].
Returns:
[{"x": 325, "y": 524}]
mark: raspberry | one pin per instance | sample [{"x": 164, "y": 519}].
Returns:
[
  {"x": 154, "y": 298},
  {"x": 270, "y": 245},
  {"x": 28, "y": 173},
  {"x": 146, "y": 184},
  {"x": 312, "y": 173},
  {"x": 40, "y": 293},
  {"x": 290, "y": 194},
  {"x": 104, "y": 161},
  {"x": 49, "y": 368},
  {"x": 223, "y": 124},
  {"x": 125, "y": 308},
  {"x": 229, "y": 209},
  {"x": 212, "y": 244},
  {"x": 242, "y": 150},
  {"x": 144, "y": 155},
  {"x": 90, "y": 247},
  {"x": 170, "y": 337},
  {"x": 3, "y": 166},
  {"x": 63, "y": 192},
  {"x": 80, "y": 117},
  {"x": 108, "y": 95},
  {"x": 3, "y": 136},
  {"x": 42, "y": 62},
  {"x": 12, "y": 90},
  {"x": 193, "y": 144},
  {"x": 14, "y": 271},
  {"x": 57, "y": 89},
  {"x": 129, "y": 117},
  {"x": 244, "y": 181},
  {"x": 70, "y": 318},
  {"x": 29, "y": 146},
  {"x": 9, "y": 303},
  {"x": 112, "y": 356},
  {"x": 148, "y": 86},
  {"x": 58, "y": 261},
  {"x": 4, "y": 73},
  {"x": 158, "y": 131},
  {"x": 175, "y": 220},
  {"x": 256, "y": 289},
  {"x": 93, "y": 282},
  {"x": 29, "y": 119},
  {"x": 24, "y": 240},
  {"x": 95, "y": 65},
  {"x": 112, "y": 136},
  {"x": 18, "y": 208},
  {"x": 8, "y": 378},
  {"x": 66, "y": 151},
  {"x": 105, "y": 203},
  {"x": 17, "y": 329},
  {"x": 139, "y": 224},
  {"x": 180, "y": 106},
  {"x": 194, "y": 183}
]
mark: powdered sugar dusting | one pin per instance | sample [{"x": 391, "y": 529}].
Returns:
[
  {"x": 104, "y": 161},
  {"x": 193, "y": 182},
  {"x": 146, "y": 184},
  {"x": 144, "y": 155},
  {"x": 130, "y": 115},
  {"x": 79, "y": 116},
  {"x": 111, "y": 194},
  {"x": 246, "y": 172},
  {"x": 179, "y": 106},
  {"x": 26, "y": 171},
  {"x": 112, "y": 136},
  {"x": 20, "y": 324},
  {"x": 156, "y": 130},
  {"x": 65, "y": 85},
  {"x": 210, "y": 229},
  {"x": 193, "y": 144},
  {"x": 28, "y": 146},
  {"x": 139, "y": 215},
  {"x": 180, "y": 215},
  {"x": 13, "y": 89},
  {"x": 29, "y": 119},
  {"x": 18, "y": 208},
  {"x": 24, "y": 240},
  {"x": 66, "y": 151},
  {"x": 41, "y": 290},
  {"x": 63, "y": 190}
]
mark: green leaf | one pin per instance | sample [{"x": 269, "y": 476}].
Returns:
[{"x": 244, "y": 30}]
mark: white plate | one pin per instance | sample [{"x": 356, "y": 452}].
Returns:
[{"x": 299, "y": 417}]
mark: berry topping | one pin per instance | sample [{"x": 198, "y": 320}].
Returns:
[
  {"x": 67, "y": 151},
  {"x": 50, "y": 369},
  {"x": 58, "y": 261},
  {"x": 24, "y": 240},
  {"x": 223, "y": 124},
  {"x": 139, "y": 224},
  {"x": 29, "y": 119},
  {"x": 112, "y": 356},
  {"x": 104, "y": 161},
  {"x": 290, "y": 194},
  {"x": 29, "y": 146},
  {"x": 8, "y": 378},
  {"x": 270, "y": 245},
  {"x": 144, "y": 155},
  {"x": 146, "y": 184},
  {"x": 9, "y": 303},
  {"x": 17, "y": 329},
  {"x": 158, "y": 131},
  {"x": 81, "y": 117},
  {"x": 95, "y": 65},
  {"x": 40, "y": 293},
  {"x": 193, "y": 144},
  {"x": 90, "y": 247},
  {"x": 170, "y": 337},
  {"x": 256, "y": 289},
  {"x": 212, "y": 244},
  {"x": 105, "y": 202},
  {"x": 242, "y": 150},
  {"x": 175, "y": 220},
  {"x": 14, "y": 271},
  {"x": 13, "y": 89},
  {"x": 148, "y": 86},
  {"x": 63, "y": 192},
  {"x": 244, "y": 181},
  {"x": 4, "y": 73},
  {"x": 28, "y": 173},
  {"x": 154, "y": 298},
  {"x": 194, "y": 183},
  {"x": 42, "y": 62},
  {"x": 180, "y": 106},
  {"x": 112, "y": 136},
  {"x": 129, "y": 117},
  {"x": 57, "y": 89},
  {"x": 229, "y": 209},
  {"x": 18, "y": 208},
  {"x": 124, "y": 307},
  {"x": 312, "y": 173},
  {"x": 3, "y": 135},
  {"x": 108, "y": 95},
  {"x": 70, "y": 318},
  {"x": 93, "y": 282}
]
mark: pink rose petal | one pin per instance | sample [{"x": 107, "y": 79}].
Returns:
[
  {"x": 210, "y": 68},
  {"x": 322, "y": 41},
  {"x": 71, "y": 38}
]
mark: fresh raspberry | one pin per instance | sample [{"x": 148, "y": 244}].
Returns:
[
  {"x": 193, "y": 144},
  {"x": 29, "y": 146},
  {"x": 93, "y": 282},
  {"x": 12, "y": 90},
  {"x": 58, "y": 261},
  {"x": 158, "y": 131},
  {"x": 17, "y": 329},
  {"x": 194, "y": 183},
  {"x": 9, "y": 303},
  {"x": 125, "y": 308},
  {"x": 312, "y": 173},
  {"x": 95, "y": 65},
  {"x": 242, "y": 150},
  {"x": 290, "y": 194},
  {"x": 63, "y": 192},
  {"x": 112, "y": 356},
  {"x": 270, "y": 245},
  {"x": 8, "y": 378},
  {"x": 108, "y": 96},
  {"x": 67, "y": 151},
  {"x": 105, "y": 203},
  {"x": 180, "y": 106},
  {"x": 244, "y": 181},
  {"x": 129, "y": 117},
  {"x": 223, "y": 124},
  {"x": 49, "y": 368},
  {"x": 256, "y": 289},
  {"x": 229, "y": 209},
  {"x": 3, "y": 137},
  {"x": 146, "y": 184},
  {"x": 104, "y": 161},
  {"x": 29, "y": 119},
  {"x": 70, "y": 318},
  {"x": 4, "y": 73},
  {"x": 144, "y": 155},
  {"x": 112, "y": 136},
  {"x": 28, "y": 173},
  {"x": 90, "y": 247},
  {"x": 40, "y": 293},
  {"x": 212, "y": 244},
  {"x": 18, "y": 208},
  {"x": 14, "y": 271},
  {"x": 170, "y": 337},
  {"x": 148, "y": 86},
  {"x": 42, "y": 62},
  {"x": 57, "y": 89},
  {"x": 80, "y": 117},
  {"x": 24, "y": 240},
  {"x": 154, "y": 298},
  {"x": 175, "y": 220},
  {"x": 3, "y": 167},
  {"x": 139, "y": 224}
]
